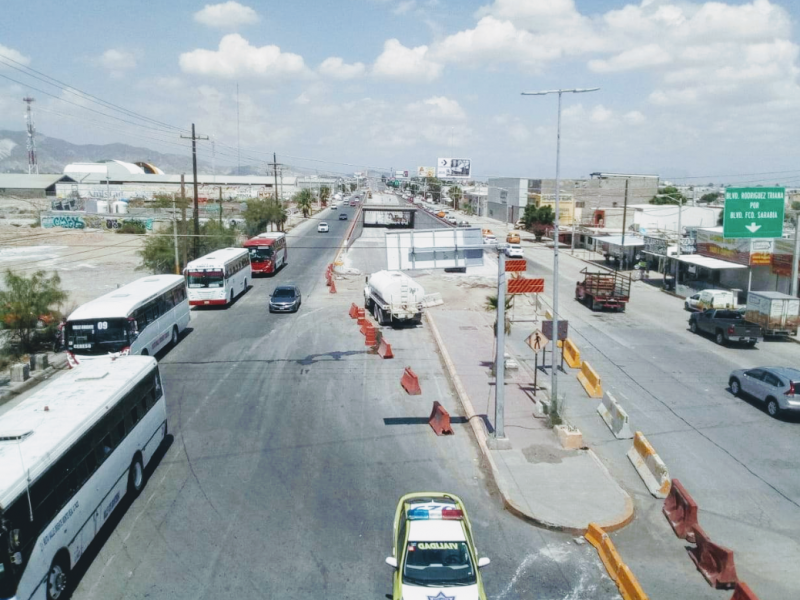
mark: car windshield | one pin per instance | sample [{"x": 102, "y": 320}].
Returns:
[
  {"x": 260, "y": 253},
  {"x": 283, "y": 293},
  {"x": 206, "y": 279},
  {"x": 436, "y": 564},
  {"x": 98, "y": 336}
]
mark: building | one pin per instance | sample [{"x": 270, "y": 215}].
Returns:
[
  {"x": 477, "y": 198},
  {"x": 609, "y": 190},
  {"x": 30, "y": 186}
]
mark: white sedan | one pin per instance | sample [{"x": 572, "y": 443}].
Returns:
[
  {"x": 514, "y": 251},
  {"x": 322, "y": 227}
]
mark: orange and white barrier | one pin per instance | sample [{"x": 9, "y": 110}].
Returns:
[{"x": 650, "y": 467}]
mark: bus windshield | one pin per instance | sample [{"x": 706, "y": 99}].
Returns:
[
  {"x": 260, "y": 253},
  {"x": 206, "y": 279},
  {"x": 99, "y": 336}
]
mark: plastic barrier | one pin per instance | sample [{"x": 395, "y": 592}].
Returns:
[
  {"x": 615, "y": 417},
  {"x": 440, "y": 420},
  {"x": 332, "y": 289},
  {"x": 370, "y": 338},
  {"x": 681, "y": 512},
  {"x": 364, "y": 326},
  {"x": 385, "y": 349},
  {"x": 649, "y": 465},
  {"x": 571, "y": 354},
  {"x": 353, "y": 311},
  {"x": 410, "y": 382},
  {"x": 590, "y": 381},
  {"x": 72, "y": 360},
  {"x": 618, "y": 571},
  {"x": 713, "y": 561},
  {"x": 361, "y": 316},
  {"x": 743, "y": 592}
]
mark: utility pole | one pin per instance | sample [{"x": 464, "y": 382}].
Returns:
[
  {"x": 214, "y": 160},
  {"x": 796, "y": 255},
  {"x": 175, "y": 234},
  {"x": 680, "y": 240},
  {"x": 220, "y": 205},
  {"x": 33, "y": 164},
  {"x": 500, "y": 354},
  {"x": 194, "y": 138},
  {"x": 183, "y": 218},
  {"x": 238, "y": 139},
  {"x": 624, "y": 217},
  {"x": 275, "y": 164}
]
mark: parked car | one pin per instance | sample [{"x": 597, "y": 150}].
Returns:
[
  {"x": 451, "y": 219},
  {"x": 774, "y": 386},
  {"x": 514, "y": 251},
  {"x": 285, "y": 298},
  {"x": 710, "y": 299},
  {"x": 726, "y": 326},
  {"x": 463, "y": 224},
  {"x": 322, "y": 227}
]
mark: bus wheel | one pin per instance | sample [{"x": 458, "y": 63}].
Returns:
[
  {"x": 57, "y": 576},
  {"x": 145, "y": 352},
  {"x": 136, "y": 476},
  {"x": 231, "y": 296},
  {"x": 174, "y": 341}
]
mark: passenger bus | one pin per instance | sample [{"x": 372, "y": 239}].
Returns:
[
  {"x": 68, "y": 455},
  {"x": 142, "y": 317},
  {"x": 267, "y": 252},
  {"x": 217, "y": 278}
]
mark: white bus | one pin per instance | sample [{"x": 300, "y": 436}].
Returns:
[
  {"x": 139, "y": 318},
  {"x": 68, "y": 455},
  {"x": 219, "y": 277}
]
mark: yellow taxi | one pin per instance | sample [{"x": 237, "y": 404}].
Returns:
[
  {"x": 512, "y": 237},
  {"x": 433, "y": 552}
]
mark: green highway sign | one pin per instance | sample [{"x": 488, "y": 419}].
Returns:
[{"x": 753, "y": 212}]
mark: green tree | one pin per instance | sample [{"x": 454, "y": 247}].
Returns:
[
  {"x": 490, "y": 305},
  {"x": 257, "y": 216},
  {"x": 305, "y": 201},
  {"x": 795, "y": 204},
  {"x": 455, "y": 193},
  {"x": 353, "y": 187},
  {"x": 324, "y": 195},
  {"x": 709, "y": 197},
  {"x": 27, "y": 300},
  {"x": 435, "y": 189},
  {"x": 158, "y": 252},
  {"x": 668, "y": 195}
]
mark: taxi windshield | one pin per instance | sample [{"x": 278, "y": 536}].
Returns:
[{"x": 438, "y": 564}]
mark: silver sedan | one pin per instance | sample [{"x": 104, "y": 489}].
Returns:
[{"x": 778, "y": 387}]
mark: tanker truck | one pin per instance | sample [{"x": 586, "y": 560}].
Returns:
[{"x": 393, "y": 298}]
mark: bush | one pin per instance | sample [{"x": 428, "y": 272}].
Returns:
[
  {"x": 27, "y": 309},
  {"x": 135, "y": 227}
]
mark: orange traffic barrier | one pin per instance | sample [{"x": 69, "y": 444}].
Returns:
[
  {"x": 681, "y": 511},
  {"x": 364, "y": 325},
  {"x": 649, "y": 465},
  {"x": 353, "y": 311},
  {"x": 385, "y": 349},
  {"x": 715, "y": 562},
  {"x": 743, "y": 592},
  {"x": 628, "y": 584},
  {"x": 618, "y": 571},
  {"x": 361, "y": 316},
  {"x": 333, "y": 287},
  {"x": 571, "y": 354},
  {"x": 590, "y": 380},
  {"x": 440, "y": 420},
  {"x": 410, "y": 382},
  {"x": 370, "y": 338}
]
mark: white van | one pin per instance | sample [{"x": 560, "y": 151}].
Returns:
[{"x": 711, "y": 299}]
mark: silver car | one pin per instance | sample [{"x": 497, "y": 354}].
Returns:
[{"x": 773, "y": 385}]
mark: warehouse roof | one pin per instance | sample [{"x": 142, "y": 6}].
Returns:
[{"x": 21, "y": 181}]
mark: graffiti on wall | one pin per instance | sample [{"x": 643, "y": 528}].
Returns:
[
  {"x": 91, "y": 221},
  {"x": 65, "y": 221}
]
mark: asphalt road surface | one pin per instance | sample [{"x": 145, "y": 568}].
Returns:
[{"x": 281, "y": 476}]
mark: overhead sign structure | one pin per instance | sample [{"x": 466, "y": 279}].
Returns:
[
  {"x": 426, "y": 171},
  {"x": 537, "y": 341},
  {"x": 563, "y": 329},
  {"x": 753, "y": 212},
  {"x": 403, "y": 174},
  {"x": 515, "y": 265},
  {"x": 434, "y": 248},
  {"x": 454, "y": 168},
  {"x": 525, "y": 286}
]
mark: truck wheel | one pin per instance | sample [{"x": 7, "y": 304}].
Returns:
[
  {"x": 693, "y": 326},
  {"x": 378, "y": 314},
  {"x": 720, "y": 338},
  {"x": 752, "y": 343}
]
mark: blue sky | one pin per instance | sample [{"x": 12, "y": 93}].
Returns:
[{"x": 687, "y": 88}]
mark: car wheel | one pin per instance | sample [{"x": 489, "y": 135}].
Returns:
[
  {"x": 735, "y": 386},
  {"x": 136, "y": 476},
  {"x": 145, "y": 352},
  {"x": 772, "y": 407},
  {"x": 244, "y": 289},
  {"x": 57, "y": 577},
  {"x": 693, "y": 326},
  {"x": 720, "y": 338},
  {"x": 174, "y": 341}
]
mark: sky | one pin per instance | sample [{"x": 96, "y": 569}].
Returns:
[{"x": 688, "y": 90}]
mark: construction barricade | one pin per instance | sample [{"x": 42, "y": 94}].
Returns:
[
  {"x": 649, "y": 465},
  {"x": 715, "y": 562},
  {"x": 385, "y": 349},
  {"x": 590, "y": 381},
  {"x": 571, "y": 354},
  {"x": 410, "y": 382},
  {"x": 743, "y": 592},
  {"x": 681, "y": 511},
  {"x": 440, "y": 420},
  {"x": 370, "y": 336},
  {"x": 353, "y": 311},
  {"x": 361, "y": 316},
  {"x": 615, "y": 417},
  {"x": 618, "y": 571},
  {"x": 332, "y": 289}
]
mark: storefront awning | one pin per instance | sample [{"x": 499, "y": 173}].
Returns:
[
  {"x": 709, "y": 263},
  {"x": 616, "y": 240}
]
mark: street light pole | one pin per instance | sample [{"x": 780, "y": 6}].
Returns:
[{"x": 554, "y": 368}]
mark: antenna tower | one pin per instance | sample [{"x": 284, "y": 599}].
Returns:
[{"x": 33, "y": 165}]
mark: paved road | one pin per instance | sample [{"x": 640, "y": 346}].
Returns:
[{"x": 282, "y": 477}]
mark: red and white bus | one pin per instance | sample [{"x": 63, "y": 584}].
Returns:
[
  {"x": 267, "y": 252},
  {"x": 219, "y": 277}
]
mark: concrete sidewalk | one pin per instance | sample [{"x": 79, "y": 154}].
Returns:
[{"x": 539, "y": 480}]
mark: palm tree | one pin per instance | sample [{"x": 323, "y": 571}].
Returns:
[
  {"x": 490, "y": 305},
  {"x": 455, "y": 194},
  {"x": 305, "y": 200},
  {"x": 324, "y": 194}
]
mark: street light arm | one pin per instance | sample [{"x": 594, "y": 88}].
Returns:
[{"x": 570, "y": 91}]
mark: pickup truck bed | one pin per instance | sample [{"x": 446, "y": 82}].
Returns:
[{"x": 726, "y": 326}]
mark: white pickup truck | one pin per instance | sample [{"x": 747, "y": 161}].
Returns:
[{"x": 393, "y": 298}]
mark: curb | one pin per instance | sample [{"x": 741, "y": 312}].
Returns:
[
  {"x": 481, "y": 437},
  {"x": 34, "y": 379}
]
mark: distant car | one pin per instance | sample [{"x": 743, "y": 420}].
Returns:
[
  {"x": 489, "y": 240},
  {"x": 343, "y": 216},
  {"x": 512, "y": 237},
  {"x": 514, "y": 251},
  {"x": 322, "y": 227},
  {"x": 285, "y": 298},
  {"x": 433, "y": 550},
  {"x": 450, "y": 219},
  {"x": 463, "y": 224},
  {"x": 774, "y": 386}
]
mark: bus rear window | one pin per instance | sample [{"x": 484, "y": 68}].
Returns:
[{"x": 98, "y": 336}]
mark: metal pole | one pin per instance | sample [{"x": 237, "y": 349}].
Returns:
[
  {"x": 624, "y": 219},
  {"x": 275, "y": 172},
  {"x": 554, "y": 359},
  {"x": 680, "y": 239},
  {"x": 196, "y": 206},
  {"x": 175, "y": 236},
  {"x": 500, "y": 363},
  {"x": 796, "y": 255}
]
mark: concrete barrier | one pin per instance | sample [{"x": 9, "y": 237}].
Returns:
[
  {"x": 20, "y": 372},
  {"x": 615, "y": 417},
  {"x": 440, "y": 420},
  {"x": 432, "y": 300},
  {"x": 715, "y": 562},
  {"x": 590, "y": 381},
  {"x": 650, "y": 467},
  {"x": 353, "y": 311},
  {"x": 38, "y": 362},
  {"x": 618, "y": 571},
  {"x": 743, "y": 592},
  {"x": 410, "y": 382},
  {"x": 571, "y": 354},
  {"x": 681, "y": 511}
]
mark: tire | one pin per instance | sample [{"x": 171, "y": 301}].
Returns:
[
  {"x": 174, "y": 341},
  {"x": 244, "y": 289},
  {"x": 693, "y": 326},
  {"x": 145, "y": 352},
  {"x": 719, "y": 338},
  {"x": 773, "y": 408},
  {"x": 751, "y": 344},
  {"x": 231, "y": 302},
  {"x": 377, "y": 313},
  {"x": 736, "y": 387},
  {"x": 136, "y": 476},
  {"x": 58, "y": 577}
]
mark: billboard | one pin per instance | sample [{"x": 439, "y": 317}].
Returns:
[
  {"x": 426, "y": 171},
  {"x": 451, "y": 168},
  {"x": 403, "y": 174},
  {"x": 434, "y": 248}
]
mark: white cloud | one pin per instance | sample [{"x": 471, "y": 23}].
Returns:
[
  {"x": 651, "y": 55},
  {"x": 13, "y": 55},
  {"x": 336, "y": 68},
  {"x": 406, "y": 64},
  {"x": 228, "y": 15},
  {"x": 438, "y": 107},
  {"x": 236, "y": 57},
  {"x": 404, "y": 7},
  {"x": 600, "y": 114},
  {"x": 117, "y": 61},
  {"x": 303, "y": 98},
  {"x": 634, "y": 117}
]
